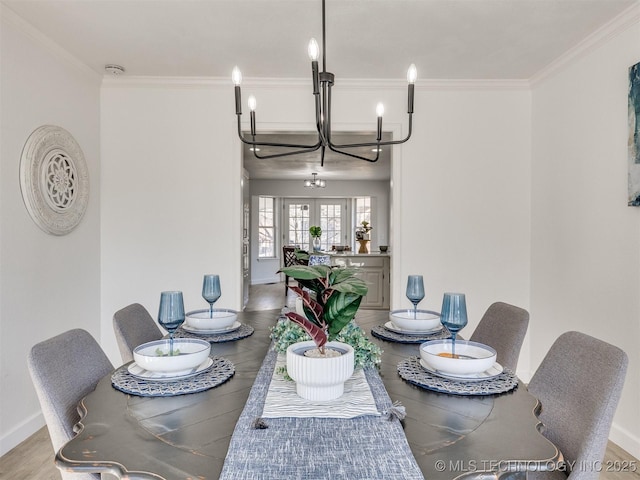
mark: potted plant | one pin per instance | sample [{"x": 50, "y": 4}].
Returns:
[
  {"x": 315, "y": 232},
  {"x": 330, "y": 298},
  {"x": 366, "y": 228}
]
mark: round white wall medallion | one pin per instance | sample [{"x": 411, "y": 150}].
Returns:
[{"x": 54, "y": 179}]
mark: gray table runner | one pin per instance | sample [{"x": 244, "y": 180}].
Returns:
[{"x": 367, "y": 447}]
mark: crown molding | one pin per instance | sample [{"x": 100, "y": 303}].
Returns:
[
  {"x": 345, "y": 84},
  {"x": 10, "y": 17},
  {"x": 625, "y": 20}
]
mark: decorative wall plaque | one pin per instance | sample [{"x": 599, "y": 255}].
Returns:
[{"x": 54, "y": 179}]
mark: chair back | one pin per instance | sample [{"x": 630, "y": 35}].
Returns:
[
  {"x": 289, "y": 256},
  {"x": 579, "y": 384},
  {"x": 133, "y": 326},
  {"x": 64, "y": 369},
  {"x": 503, "y": 327}
]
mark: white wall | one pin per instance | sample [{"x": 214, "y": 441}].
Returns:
[
  {"x": 585, "y": 243},
  {"x": 264, "y": 270},
  {"x": 464, "y": 200},
  {"x": 171, "y": 208},
  {"x": 48, "y": 284}
]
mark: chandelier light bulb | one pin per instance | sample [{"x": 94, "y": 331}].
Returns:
[
  {"x": 313, "y": 50},
  {"x": 412, "y": 74},
  {"x": 252, "y": 103},
  {"x": 380, "y": 110},
  {"x": 236, "y": 76},
  {"x": 307, "y": 183}
]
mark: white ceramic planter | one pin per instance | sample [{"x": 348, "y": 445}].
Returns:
[{"x": 320, "y": 378}]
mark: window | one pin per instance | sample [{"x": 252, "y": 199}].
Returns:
[
  {"x": 266, "y": 227},
  {"x": 298, "y": 224},
  {"x": 362, "y": 210},
  {"x": 331, "y": 225}
]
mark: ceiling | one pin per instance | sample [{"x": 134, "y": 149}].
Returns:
[{"x": 366, "y": 39}]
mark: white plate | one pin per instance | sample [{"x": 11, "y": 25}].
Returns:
[
  {"x": 139, "y": 372},
  {"x": 395, "y": 329},
  {"x": 188, "y": 328},
  {"x": 471, "y": 377}
]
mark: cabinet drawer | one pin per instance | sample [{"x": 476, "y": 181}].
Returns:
[{"x": 364, "y": 262}]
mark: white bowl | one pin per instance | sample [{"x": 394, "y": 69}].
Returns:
[
  {"x": 201, "y": 320},
  {"x": 474, "y": 357},
  {"x": 154, "y": 356},
  {"x": 425, "y": 320}
]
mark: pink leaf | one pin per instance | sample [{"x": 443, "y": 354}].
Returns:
[{"x": 316, "y": 333}]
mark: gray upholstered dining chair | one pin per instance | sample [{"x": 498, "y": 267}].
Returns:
[
  {"x": 133, "y": 326},
  {"x": 503, "y": 327},
  {"x": 579, "y": 384},
  {"x": 64, "y": 369}
]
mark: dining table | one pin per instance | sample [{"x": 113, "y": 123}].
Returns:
[{"x": 191, "y": 436}]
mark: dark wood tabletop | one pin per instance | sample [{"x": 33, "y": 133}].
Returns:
[{"x": 187, "y": 436}]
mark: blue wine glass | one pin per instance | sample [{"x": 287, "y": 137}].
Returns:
[
  {"x": 415, "y": 291},
  {"x": 454, "y": 315},
  {"x": 171, "y": 314},
  {"x": 211, "y": 291}
]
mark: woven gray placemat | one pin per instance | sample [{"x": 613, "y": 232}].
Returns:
[
  {"x": 242, "y": 332},
  {"x": 411, "y": 371},
  {"x": 367, "y": 447},
  {"x": 220, "y": 371},
  {"x": 381, "y": 332}
]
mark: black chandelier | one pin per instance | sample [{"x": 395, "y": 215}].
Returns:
[{"x": 322, "y": 83}]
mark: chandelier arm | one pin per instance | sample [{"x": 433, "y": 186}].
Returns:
[
  {"x": 285, "y": 154},
  {"x": 319, "y": 124},
  {"x": 359, "y": 157},
  {"x": 324, "y": 45},
  {"x": 375, "y": 144},
  {"x": 327, "y": 113},
  {"x": 304, "y": 148}
]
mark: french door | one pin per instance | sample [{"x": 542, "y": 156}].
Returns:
[{"x": 329, "y": 213}]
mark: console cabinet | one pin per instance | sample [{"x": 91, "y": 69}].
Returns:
[{"x": 374, "y": 270}]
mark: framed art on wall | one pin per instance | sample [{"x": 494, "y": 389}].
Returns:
[{"x": 633, "y": 143}]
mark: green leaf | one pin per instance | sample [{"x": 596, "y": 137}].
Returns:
[
  {"x": 353, "y": 285},
  {"x": 306, "y": 272},
  {"x": 340, "y": 309}
]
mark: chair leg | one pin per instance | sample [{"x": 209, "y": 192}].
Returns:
[{"x": 286, "y": 286}]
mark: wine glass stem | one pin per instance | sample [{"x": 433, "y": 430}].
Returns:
[
  {"x": 171, "y": 344},
  {"x": 211, "y": 310},
  {"x": 453, "y": 344},
  {"x": 415, "y": 310}
]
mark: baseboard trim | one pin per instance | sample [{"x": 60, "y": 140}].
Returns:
[
  {"x": 264, "y": 281},
  {"x": 625, "y": 440},
  {"x": 19, "y": 434}
]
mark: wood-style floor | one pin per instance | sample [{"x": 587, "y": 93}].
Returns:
[{"x": 33, "y": 458}]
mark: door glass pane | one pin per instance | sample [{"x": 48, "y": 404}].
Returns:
[
  {"x": 362, "y": 210},
  {"x": 298, "y": 231},
  {"x": 266, "y": 227},
  {"x": 331, "y": 224}
]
